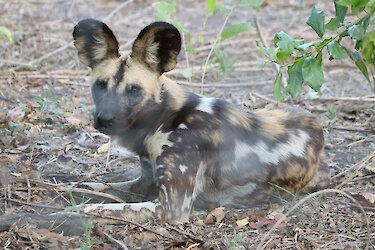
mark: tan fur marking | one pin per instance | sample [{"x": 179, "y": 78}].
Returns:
[
  {"x": 177, "y": 93},
  {"x": 271, "y": 122},
  {"x": 137, "y": 73},
  {"x": 238, "y": 119},
  {"x": 105, "y": 70},
  {"x": 155, "y": 142}
]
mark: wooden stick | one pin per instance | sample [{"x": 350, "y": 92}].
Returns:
[
  {"x": 116, "y": 10},
  {"x": 78, "y": 190},
  {"x": 345, "y": 98},
  {"x": 223, "y": 85},
  {"x": 122, "y": 245}
]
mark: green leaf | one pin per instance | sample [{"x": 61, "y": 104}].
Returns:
[
  {"x": 358, "y": 5},
  {"x": 316, "y": 21},
  {"x": 190, "y": 48},
  {"x": 306, "y": 46},
  {"x": 283, "y": 55},
  {"x": 356, "y": 32},
  {"x": 367, "y": 51},
  {"x": 358, "y": 60},
  {"x": 178, "y": 26},
  {"x": 284, "y": 41},
  {"x": 221, "y": 9},
  {"x": 277, "y": 87},
  {"x": 6, "y": 32},
  {"x": 164, "y": 10},
  {"x": 235, "y": 29},
  {"x": 270, "y": 53},
  {"x": 313, "y": 73},
  {"x": 334, "y": 23},
  {"x": 211, "y": 6},
  {"x": 344, "y": 2},
  {"x": 187, "y": 74},
  {"x": 340, "y": 11},
  {"x": 295, "y": 80},
  {"x": 335, "y": 50},
  {"x": 252, "y": 3}
]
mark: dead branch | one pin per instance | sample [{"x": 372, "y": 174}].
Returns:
[
  {"x": 116, "y": 10},
  {"x": 222, "y": 85},
  {"x": 122, "y": 245},
  {"x": 59, "y": 187}
]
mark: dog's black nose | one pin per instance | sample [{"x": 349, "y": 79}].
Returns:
[{"x": 104, "y": 120}]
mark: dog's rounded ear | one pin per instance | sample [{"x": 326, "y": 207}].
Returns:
[
  {"x": 157, "y": 46},
  {"x": 95, "y": 42}
]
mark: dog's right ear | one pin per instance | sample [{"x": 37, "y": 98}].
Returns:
[{"x": 95, "y": 42}]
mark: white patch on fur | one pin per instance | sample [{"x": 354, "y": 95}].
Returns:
[
  {"x": 151, "y": 53},
  {"x": 200, "y": 180},
  {"x": 294, "y": 146},
  {"x": 182, "y": 126},
  {"x": 186, "y": 203},
  {"x": 206, "y": 105},
  {"x": 155, "y": 142},
  {"x": 183, "y": 168},
  {"x": 164, "y": 189}
]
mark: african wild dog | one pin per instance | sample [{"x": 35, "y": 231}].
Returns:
[{"x": 193, "y": 150}]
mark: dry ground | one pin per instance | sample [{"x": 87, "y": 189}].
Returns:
[{"x": 47, "y": 138}]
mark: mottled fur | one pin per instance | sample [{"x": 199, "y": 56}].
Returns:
[{"x": 194, "y": 151}]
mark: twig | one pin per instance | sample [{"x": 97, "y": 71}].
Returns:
[
  {"x": 359, "y": 168},
  {"x": 78, "y": 190},
  {"x": 366, "y": 130},
  {"x": 361, "y": 164},
  {"x": 108, "y": 154},
  {"x": 122, "y": 245},
  {"x": 186, "y": 54},
  {"x": 32, "y": 204},
  {"x": 117, "y": 189},
  {"x": 132, "y": 223},
  {"x": 327, "y": 191},
  {"x": 30, "y": 64},
  {"x": 346, "y": 99},
  {"x": 213, "y": 47},
  {"x": 116, "y": 10},
  {"x": 28, "y": 189},
  {"x": 223, "y": 85},
  {"x": 263, "y": 97},
  {"x": 190, "y": 236},
  {"x": 263, "y": 41}
]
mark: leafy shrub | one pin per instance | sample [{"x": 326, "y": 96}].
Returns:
[{"x": 304, "y": 60}]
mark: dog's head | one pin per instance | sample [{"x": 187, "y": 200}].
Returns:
[{"x": 125, "y": 88}]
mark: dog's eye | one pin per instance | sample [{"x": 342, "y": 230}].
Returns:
[
  {"x": 134, "y": 89},
  {"x": 101, "y": 84}
]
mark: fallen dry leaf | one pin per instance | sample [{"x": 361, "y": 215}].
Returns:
[
  {"x": 371, "y": 166},
  {"x": 243, "y": 222},
  {"x": 3, "y": 117},
  {"x": 369, "y": 196},
  {"x": 364, "y": 201},
  {"x": 16, "y": 114},
  {"x": 104, "y": 148},
  {"x": 215, "y": 216}
]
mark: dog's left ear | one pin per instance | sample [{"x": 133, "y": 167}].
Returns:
[{"x": 157, "y": 46}]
